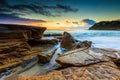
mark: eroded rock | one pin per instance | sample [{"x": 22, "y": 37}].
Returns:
[
  {"x": 15, "y": 52},
  {"x": 99, "y": 71},
  {"x": 67, "y": 42},
  {"x": 14, "y": 48},
  {"x": 23, "y": 32},
  {"x": 45, "y": 57},
  {"x": 86, "y": 56}
]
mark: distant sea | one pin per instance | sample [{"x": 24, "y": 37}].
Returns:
[{"x": 100, "y": 38}]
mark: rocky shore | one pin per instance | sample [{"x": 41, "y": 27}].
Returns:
[
  {"x": 20, "y": 44},
  {"x": 23, "y": 46}
]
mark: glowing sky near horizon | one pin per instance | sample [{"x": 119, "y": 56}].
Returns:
[{"x": 58, "y": 14}]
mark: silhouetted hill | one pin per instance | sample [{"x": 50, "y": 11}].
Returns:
[{"x": 106, "y": 25}]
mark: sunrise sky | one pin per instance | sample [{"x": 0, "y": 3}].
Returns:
[{"x": 59, "y": 14}]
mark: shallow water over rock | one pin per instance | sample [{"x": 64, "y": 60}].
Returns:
[{"x": 40, "y": 69}]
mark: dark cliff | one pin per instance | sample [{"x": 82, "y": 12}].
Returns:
[{"x": 106, "y": 25}]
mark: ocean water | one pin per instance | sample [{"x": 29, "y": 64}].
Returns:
[{"x": 100, "y": 38}]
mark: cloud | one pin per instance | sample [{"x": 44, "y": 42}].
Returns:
[
  {"x": 75, "y": 22},
  {"x": 88, "y": 22},
  {"x": 3, "y": 3},
  {"x": 116, "y": 20},
  {"x": 10, "y": 18},
  {"x": 68, "y": 22},
  {"x": 66, "y": 8},
  {"x": 45, "y": 9},
  {"x": 58, "y": 23}
]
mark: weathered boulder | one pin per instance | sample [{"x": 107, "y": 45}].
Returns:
[
  {"x": 47, "y": 46},
  {"x": 67, "y": 41},
  {"x": 45, "y": 57},
  {"x": 23, "y": 32},
  {"x": 99, "y": 71},
  {"x": 86, "y": 56}
]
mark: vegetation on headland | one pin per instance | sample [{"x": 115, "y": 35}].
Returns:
[{"x": 106, "y": 25}]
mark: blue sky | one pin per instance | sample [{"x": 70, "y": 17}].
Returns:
[{"x": 64, "y": 12}]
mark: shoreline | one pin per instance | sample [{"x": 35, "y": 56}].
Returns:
[{"x": 39, "y": 56}]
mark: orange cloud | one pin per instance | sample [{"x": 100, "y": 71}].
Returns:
[
  {"x": 59, "y": 25},
  {"x": 68, "y": 22},
  {"x": 63, "y": 25},
  {"x": 35, "y": 23}
]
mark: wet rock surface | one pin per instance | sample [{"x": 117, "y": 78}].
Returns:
[
  {"x": 77, "y": 59},
  {"x": 92, "y": 64},
  {"x": 16, "y": 53},
  {"x": 46, "y": 57},
  {"x": 86, "y": 56},
  {"x": 99, "y": 71}
]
